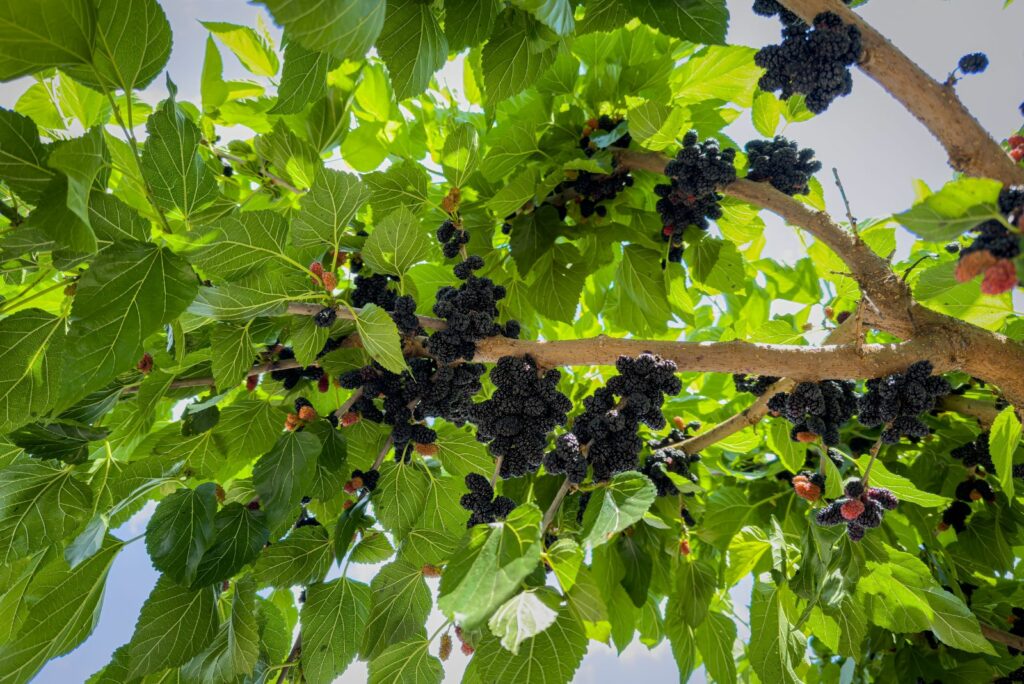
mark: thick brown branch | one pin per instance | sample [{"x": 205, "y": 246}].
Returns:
[
  {"x": 1001, "y": 637},
  {"x": 970, "y": 148}
]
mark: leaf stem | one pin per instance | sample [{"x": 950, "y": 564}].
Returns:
[{"x": 549, "y": 514}]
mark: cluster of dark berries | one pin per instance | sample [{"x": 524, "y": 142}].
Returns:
[
  {"x": 470, "y": 311},
  {"x": 754, "y": 384},
  {"x": 860, "y": 508},
  {"x": 974, "y": 63},
  {"x": 994, "y": 248},
  {"x": 567, "y": 459},
  {"x": 975, "y": 453},
  {"x": 375, "y": 289},
  {"x": 956, "y": 516},
  {"x": 325, "y": 317},
  {"x": 593, "y": 188},
  {"x": 290, "y": 377},
  {"x": 525, "y": 407},
  {"x": 780, "y": 162},
  {"x": 666, "y": 456},
  {"x": 452, "y": 238},
  {"x": 399, "y": 394},
  {"x": 816, "y": 409},
  {"x": 690, "y": 198},
  {"x": 484, "y": 507},
  {"x": 809, "y": 485},
  {"x": 812, "y": 60},
  {"x": 898, "y": 400},
  {"x": 361, "y": 480},
  {"x": 602, "y": 123},
  {"x": 769, "y": 8},
  {"x": 449, "y": 392},
  {"x": 606, "y": 431},
  {"x": 974, "y": 489}
]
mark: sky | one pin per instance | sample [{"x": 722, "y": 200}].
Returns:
[{"x": 877, "y": 147}]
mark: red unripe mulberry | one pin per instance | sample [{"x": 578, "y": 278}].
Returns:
[
  {"x": 324, "y": 383},
  {"x": 852, "y": 509},
  {"x": 999, "y": 278},
  {"x": 251, "y": 382},
  {"x": 307, "y": 414},
  {"x": 145, "y": 364},
  {"x": 349, "y": 418},
  {"x": 330, "y": 281}
]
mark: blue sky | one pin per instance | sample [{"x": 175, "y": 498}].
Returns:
[{"x": 876, "y": 145}]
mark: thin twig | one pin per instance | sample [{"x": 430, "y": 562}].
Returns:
[
  {"x": 549, "y": 514},
  {"x": 379, "y": 461},
  {"x": 846, "y": 202},
  {"x": 293, "y": 656},
  {"x": 344, "y": 408},
  {"x": 875, "y": 448},
  {"x": 497, "y": 469}
]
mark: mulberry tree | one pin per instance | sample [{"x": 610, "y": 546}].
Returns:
[{"x": 360, "y": 352}]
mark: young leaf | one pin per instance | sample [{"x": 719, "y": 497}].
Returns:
[
  {"x": 1004, "y": 439},
  {"x": 380, "y": 337},
  {"x": 400, "y": 605},
  {"x": 334, "y": 618},
  {"x": 614, "y": 508},
  {"x": 181, "y": 530}
]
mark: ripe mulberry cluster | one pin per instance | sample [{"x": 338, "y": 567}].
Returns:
[
  {"x": 361, "y": 480},
  {"x": 975, "y": 453},
  {"x": 452, "y": 238},
  {"x": 861, "y": 508},
  {"x": 898, "y": 400},
  {"x": 448, "y": 393},
  {"x": 974, "y": 63},
  {"x": 606, "y": 431},
  {"x": 290, "y": 377},
  {"x": 567, "y": 459},
  {"x": 812, "y": 60},
  {"x": 399, "y": 394},
  {"x": 780, "y": 162},
  {"x": 754, "y": 384},
  {"x": 524, "y": 409},
  {"x": 816, "y": 409},
  {"x": 375, "y": 289},
  {"x": 470, "y": 311},
  {"x": 956, "y": 517},
  {"x": 690, "y": 198},
  {"x": 994, "y": 248},
  {"x": 593, "y": 188},
  {"x": 975, "y": 490},
  {"x": 667, "y": 457},
  {"x": 484, "y": 507},
  {"x": 603, "y": 123}
]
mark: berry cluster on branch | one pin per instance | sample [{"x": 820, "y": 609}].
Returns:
[
  {"x": 975, "y": 454},
  {"x": 666, "y": 457},
  {"x": 782, "y": 163},
  {"x": 484, "y": 507},
  {"x": 861, "y": 508},
  {"x": 994, "y": 249},
  {"x": 816, "y": 409},
  {"x": 897, "y": 402}
]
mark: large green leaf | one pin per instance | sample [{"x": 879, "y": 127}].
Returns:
[
  {"x": 303, "y": 557},
  {"x": 401, "y": 493},
  {"x": 408, "y": 662},
  {"x": 516, "y": 55},
  {"x": 397, "y": 243},
  {"x": 282, "y": 475},
  {"x": 129, "y": 291},
  {"x": 239, "y": 536},
  {"x": 770, "y": 635},
  {"x": 174, "y": 625},
  {"x": 489, "y": 565},
  {"x": 171, "y": 164},
  {"x": 38, "y": 34},
  {"x": 959, "y": 206},
  {"x": 344, "y": 28},
  {"x": 40, "y": 505},
  {"x": 233, "y": 354},
  {"x": 65, "y": 608},
  {"x": 131, "y": 48},
  {"x": 327, "y": 209},
  {"x": 252, "y": 49},
  {"x": 614, "y": 508},
  {"x": 380, "y": 338},
  {"x": 22, "y": 156},
  {"x": 1004, "y": 439},
  {"x": 698, "y": 21},
  {"x": 553, "y": 655},
  {"x": 469, "y": 22},
  {"x": 236, "y": 648},
  {"x": 715, "y": 638},
  {"x": 399, "y": 609},
  {"x": 303, "y": 79},
  {"x": 84, "y": 161},
  {"x": 412, "y": 45},
  {"x": 523, "y": 616},
  {"x": 181, "y": 530},
  {"x": 242, "y": 243},
  {"x": 334, "y": 618},
  {"x": 30, "y": 346}
]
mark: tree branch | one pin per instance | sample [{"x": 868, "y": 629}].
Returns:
[
  {"x": 349, "y": 314},
  {"x": 970, "y": 148},
  {"x": 1001, "y": 637}
]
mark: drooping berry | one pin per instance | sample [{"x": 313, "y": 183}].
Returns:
[
  {"x": 974, "y": 63},
  {"x": 325, "y": 317}
]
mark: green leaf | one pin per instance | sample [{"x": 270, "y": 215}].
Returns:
[
  {"x": 695, "y": 585},
  {"x": 84, "y": 161},
  {"x": 171, "y": 164},
  {"x": 40, "y": 505},
  {"x": 556, "y": 283},
  {"x": 250, "y": 427},
  {"x": 181, "y": 530},
  {"x": 402, "y": 492},
  {"x": 461, "y": 154},
  {"x": 769, "y": 647},
  {"x": 380, "y": 338},
  {"x": 88, "y": 542},
  {"x": 766, "y": 114},
  {"x": 283, "y": 475},
  {"x": 174, "y": 625},
  {"x": 236, "y": 648},
  {"x": 397, "y": 243},
  {"x": 373, "y": 548},
  {"x": 22, "y": 155},
  {"x": 303, "y": 557},
  {"x": 233, "y": 352},
  {"x": 402, "y": 186},
  {"x": 241, "y": 243},
  {"x": 469, "y": 22},
  {"x": 515, "y": 56},
  {"x": 1004, "y": 439},
  {"x": 334, "y": 618},
  {"x": 614, "y": 508},
  {"x": 553, "y": 655},
  {"x": 65, "y": 609},
  {"x": 959, "y": 206},
  {"x": 565, "y": 557},
  {"x": 716, "y": 264},
  {"x": 131, "y": 47},
  {"x": 656, "y": 126},
  {"x": 515, "y": 193},
  {"x": 113, "y": 220},
  {"x": 412, "y": 45},
  {"x": 350, "y": 520},
  {"x": 399, "y": 608},
  {"x": 36, "y": 35},
  {"x": 252, "y": 49},
  {"x": 533, "y": 235},
  {"x": 304, "y": 78},
  {"x": 642, "y": 283},
  {"x": 460, "y": 453},
  {"x": 408, "y": 662},
  {"x": 718, "y": 72},
  {"x": 727, "y": 511},
  {"x": 638, "y": 569},
  {"x": 715, "y": 637},
  {"x": 30, "y": 347},
  {"x": 901, "y": 486},
  {"x": 489, "y": 566},
  {"x": 699, "y": 21},
  {"x": 327, "y": 209},
  {"x": 240, "y": 536},
  {"x": 524, "y": 616},
  {"x": 345, "y": 28}
]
